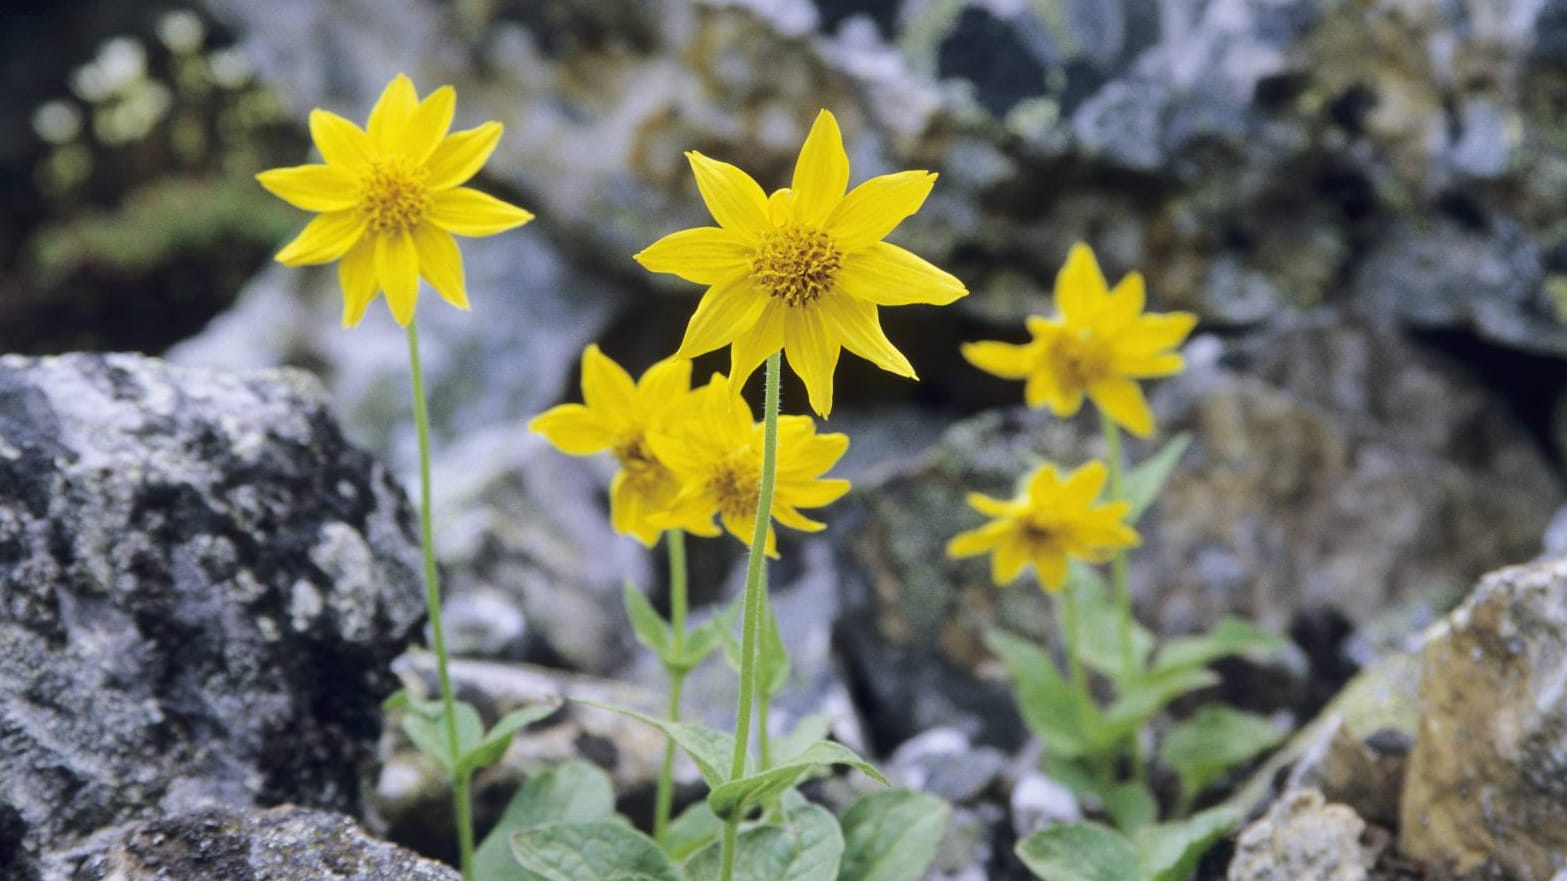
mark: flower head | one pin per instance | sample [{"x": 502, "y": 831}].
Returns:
[
  {"x": 1099, "y": 344},
  {"x": 716, "y": 451},
  {"x": 804, "y": 269},
  {"x": 617, "y": 415},
  {"x": 391, "y": 198},
  {"x": 1051, "y": 520}
]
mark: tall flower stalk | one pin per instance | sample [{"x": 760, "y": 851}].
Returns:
[{"x": 663, "y": 801}]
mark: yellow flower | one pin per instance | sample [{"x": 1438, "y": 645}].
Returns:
[
  {"x": 1100, "y": 344},
  {"x": 391, "y": 199},
  {"x": 617, "y": 416},
  {"x": 804, "y": 269},
  {"x": 1050, "y": 521},
  {"x": 716, "y": 451}
]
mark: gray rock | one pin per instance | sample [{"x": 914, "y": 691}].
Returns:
[
  {"x": 282, "y": 844},
  {"x": 1039, "y": 802},
  {"x": 204, "y": 585},
  {"x": 943, "y": 762},
  {"x": 1486, "y": 788},
  {"x": 1302, "y": 838}
]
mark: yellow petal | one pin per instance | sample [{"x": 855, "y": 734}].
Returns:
[
  {"x": 856, "y": 324},
  {"x": 1080, "y": 286},
  {"x": 1122, "y": 400},
  {"x": 873, "y": 209},
  {"x": 724, "y": 312},
  {"x": 606, "y": 386},
  {"x": 356, "y": 275},
  {"x": 312, "y": 187},
  {"x": 341, "y": 143},
  {"x": 397, "y": 265},
  {"x": 1126, "y": 302},
  {"x": 1007, "y": 563},
  {"x": 1001, "y": 359},
  {"x": 818, "y": 492},
  {"x": 812, "y": 354},
  {"x": 705, "y": 255},
  {"x": 428, "y": 124},
  {"x": 789, "y": 516},
  {"x": 887, "y": 275},
  {"x": 1083, "y": 486},
  {"x": 391, "y": 114},
  {"x": 1051, "y": 569},
  {"x": 1165, "y": 330},
  {"x": 751, "y": 348},
  {"x": 468, "y": 212},
  {"x": 324, "y": 239},
  {"x": 1044, "y": 483},
  {"x": 574, "y": 429},
  {"x": 440, "y": 262},
  {"x": 460, "y": 156},
  {"x": 780, "y": 207},
  {"x": 1148, "y": 367},
  {"x": 735, "y": 200},
  {"x": 821, "y": 174},
  {"x": 665, "y": 382},
  {"x": 975, "y": 541},
  {"x": 990, "y": 506}
]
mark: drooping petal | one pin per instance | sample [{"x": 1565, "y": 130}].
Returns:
[
  {"x": 705, "y": 255},
  {"x": 856, "y": 324},
  {"x": 821, "y": 174},
  {"x": 1001, "y": 359},
  {"x": 1007, "y": 563},
  {"x": 392, "y": 111},
  {"x": 397, "y": 265},
  {"x": 812, "y": 354},
  {"x": 751, "y": 348},
  {"x": 356, "y": 275},
  {"x": 312, "y": 187},
  {"x": 460, "y": 155},
  {"x": 1082, "y": 486},
  {"x": 1080, "y": 286},
  {"x": 790, "y": 516},
  {"x": 428, "y": 124},
  {"x": 1122, "y": 400},
  {"x": 574, "y": 429},
  {"x": 733, "y": 197},
  {"x": 606, "y": 386},
  {"x": 341, "y": 143},
  {"x": 724, "y": 312},
  {"x": 468, "y": 212},
  {"x": 324, "y": 239},
  {"x": 873, "y": 209},
  {"x": 887, "y": 275},
  {"x": 440, "y": 262}
]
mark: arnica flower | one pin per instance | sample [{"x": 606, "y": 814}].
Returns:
[
  {"x": 391, "y": 198},
  {"x": 717, "y": 454},
  {"x": 1099, "y": 344},
  {"x": 617, "y": 415},
  {"x": 1051, "y": 521},
  {"x": 804, "y": 269}
]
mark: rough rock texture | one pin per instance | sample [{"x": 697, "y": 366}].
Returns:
[
  {"x": 1487, "y": 781},
  {"x": 1302, "y": 838},
  {"x": 203, "y": 586},
  {"x": 245, "y": 844}
]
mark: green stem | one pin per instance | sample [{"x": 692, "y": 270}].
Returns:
[
  {"x": 764, "y": 699},
  {"x": 755, "y": 590},
  {"x": 675, "y": 540},
  {"x": 432, "y": 597},
  {"x": 1074, "y": 660},
  {"x": 1123, "y": 592}
]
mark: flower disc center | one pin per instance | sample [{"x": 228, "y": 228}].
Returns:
[
  {"x": 1078, "y": 356},
  {"x": 737, "y": 484},
  {"x": 796, "y": 264},
  {"x": 393, "y": 196}
]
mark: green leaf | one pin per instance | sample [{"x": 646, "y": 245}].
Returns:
[
  {"x": 806, "y": 846},
  {"x": 1131, "y": 805},
  {"x": 1079, "y": 852},
  {"x": 699, "y": 643},
  {"x": 891, "y": 836},
  {"x": 425, "y": 724},
  {"x": 1048, "y": 704},
  {"x": 1215, "y": 739},
  {"x": 688, "y": 833},
  {"x": 597, "y": 851},
  {"x": 710, "y": 749},
  {"x": 772, "y": 656},
  {"x": 489, "y": 750},
  {"x": 1232, "y": 636},
  {"x": 808, "y": 730},
  {"x": 1100, "y": 621},
  {"x": 1147, "y": 695},
  {"x": 1170, "y": 851},
  {"x": 572, "y": 792},
  {"x": 1143, "y": 483},
  {"x": 650, "y": 627},
  {"x": 736, "y": 796}
]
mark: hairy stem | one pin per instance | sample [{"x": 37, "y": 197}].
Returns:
[{"x": 675, "y": 540}]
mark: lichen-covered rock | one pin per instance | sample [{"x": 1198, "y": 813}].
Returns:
[
  {"x": 1302, "y": 838},
  {"x": 233, "y": 843},
  {"x": 1486, "y": 788},
  {"x": 201, "y": 588}
]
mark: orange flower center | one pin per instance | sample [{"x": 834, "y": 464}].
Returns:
[
  {"x": 796, "y": 264},
  {"x": 392, "y": 194},
  {"x": 1076, "y": 357},
  {"x": 736, "y": 483}
]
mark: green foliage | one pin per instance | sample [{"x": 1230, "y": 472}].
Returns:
[
  {"x": 736, "y": 796},
  {"x": 691, "y": 831},
  {"x": 1091, "y": 852},
  {"x": 1100, "y": 625},
  {"x": 658, "y": 635},
  {"x": 806, "y": 846},
  {"x": 1143, "y": 483},
  {"x": 573, "y": 792},
  {"x": 425, "y": 724},
  {"x": 1201, "y": 749},
  {"x": 891, "y": 836},
  {"x": 709, "y": 748},
  {"x": 602, "y": 850},
  {"x": 1232, "y": 636}
]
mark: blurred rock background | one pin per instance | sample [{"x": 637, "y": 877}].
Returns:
[{"x": 1360, "y": 198}]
